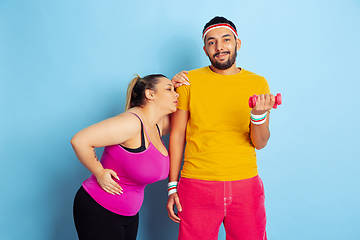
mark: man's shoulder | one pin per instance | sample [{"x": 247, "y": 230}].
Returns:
[
  {"x": 250, "y": 74},
  {"x": 199, "y": 75},
  {"x": 202, "y": 70}
]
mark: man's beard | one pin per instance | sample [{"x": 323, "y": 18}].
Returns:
[{"x": 223, "y": 65}]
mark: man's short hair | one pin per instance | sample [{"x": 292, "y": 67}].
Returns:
[{"x": 218, "y": 22}]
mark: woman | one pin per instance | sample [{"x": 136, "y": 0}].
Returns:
[{"x": 107, "y": 204}]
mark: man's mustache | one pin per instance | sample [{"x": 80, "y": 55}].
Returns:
[{"x": 227, "y": 52}]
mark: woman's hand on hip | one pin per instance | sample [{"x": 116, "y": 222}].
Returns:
[{"x": 107, "y": 183}]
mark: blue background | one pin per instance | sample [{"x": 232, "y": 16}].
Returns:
[{"x": 65, "y": 65}]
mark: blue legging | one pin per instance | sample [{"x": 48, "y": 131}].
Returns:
[{"x": 93, "y": 222}]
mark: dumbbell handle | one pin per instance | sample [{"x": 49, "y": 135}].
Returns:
[{"x": 278, "y": 101}]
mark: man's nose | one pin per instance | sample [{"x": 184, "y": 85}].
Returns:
[{"x": 219, "y": 46}]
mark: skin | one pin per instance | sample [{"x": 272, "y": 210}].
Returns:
[
  {"x": 125, "y": 129},
  {"x": 220, "y": 45}
]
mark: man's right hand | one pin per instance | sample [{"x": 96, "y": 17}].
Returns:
[{"x": 172, "y": 201}]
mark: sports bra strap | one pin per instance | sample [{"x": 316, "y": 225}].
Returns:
[
  {"x": 142, "y": 124},
  {"x": 158, "y": 130}
]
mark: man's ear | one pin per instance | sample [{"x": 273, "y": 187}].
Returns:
[
  {"x": 205, "y": 51},
  {"x": 149, "y": 94},
  {"x": 238, "y": 44}
]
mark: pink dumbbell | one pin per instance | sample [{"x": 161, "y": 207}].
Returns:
[{"x": 278, "y": 101}]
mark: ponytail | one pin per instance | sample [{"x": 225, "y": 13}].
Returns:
[
  {"x": 129, "y": 91},
  {"x": 135, "y": 96}
]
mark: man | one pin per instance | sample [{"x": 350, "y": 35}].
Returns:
[{"x": 219, "y": 180}]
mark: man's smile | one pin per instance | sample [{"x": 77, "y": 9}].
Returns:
[{"x": 221, "y": 55}]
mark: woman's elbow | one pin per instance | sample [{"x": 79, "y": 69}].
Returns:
[{"x": 75, "y": 141}]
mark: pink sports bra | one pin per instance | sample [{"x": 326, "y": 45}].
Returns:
[{"x": 135, "y": 171}]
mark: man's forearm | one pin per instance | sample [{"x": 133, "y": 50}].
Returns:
[
  {"x": 179, "y": 121},
  {"x": 260, "y": 134},
  {"x": 176, "y": 150}
]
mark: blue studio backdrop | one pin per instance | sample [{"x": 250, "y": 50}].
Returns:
[{"x": 65, "y": 65}]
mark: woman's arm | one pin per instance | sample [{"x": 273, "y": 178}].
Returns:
[{"x": 109, "y": 132}]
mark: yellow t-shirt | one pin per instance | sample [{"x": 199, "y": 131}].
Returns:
[{"x": 217, "y": 135}]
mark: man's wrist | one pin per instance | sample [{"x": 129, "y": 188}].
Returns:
[
  {"x": 172, "y": 187},
  {"x": 258, "y": 119}
]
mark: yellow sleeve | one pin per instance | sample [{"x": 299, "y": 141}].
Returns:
[
  {"x": 184, "y": 95},
  {"x": 266, "y": 88}
]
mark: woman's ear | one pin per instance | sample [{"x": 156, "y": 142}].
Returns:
[{"x": 149, "y": 94}]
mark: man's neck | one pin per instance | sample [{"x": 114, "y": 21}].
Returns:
[{"x": 230, "y": 71}]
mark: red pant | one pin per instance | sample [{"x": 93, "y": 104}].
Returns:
[{"x": 240, "y": 205}]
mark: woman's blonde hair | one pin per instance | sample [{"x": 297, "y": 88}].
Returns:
[{"x": 135, "y": 96}]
